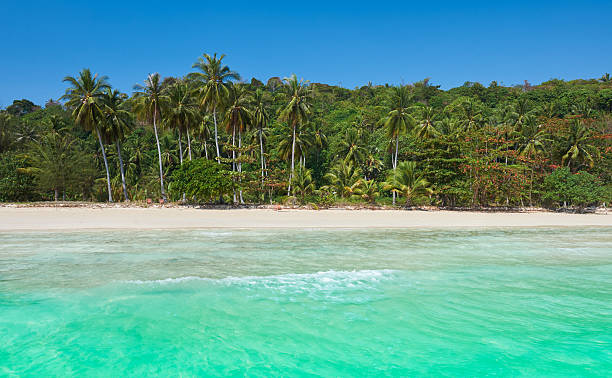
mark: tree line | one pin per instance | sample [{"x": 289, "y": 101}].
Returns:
[{"x": 212, "y": 137}]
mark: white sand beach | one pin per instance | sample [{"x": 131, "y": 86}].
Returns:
[{"x": 83, "y": 218}]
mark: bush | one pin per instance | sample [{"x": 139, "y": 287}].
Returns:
[
  {"x": 578, "y": 189},
  {"x": 15, "y": 185},
  {"x": 201, "y": 179}
]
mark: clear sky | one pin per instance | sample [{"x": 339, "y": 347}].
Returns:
[{"x": 346, "y": 43}]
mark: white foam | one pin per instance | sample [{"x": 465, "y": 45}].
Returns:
[{"x": 320, "y": 280}]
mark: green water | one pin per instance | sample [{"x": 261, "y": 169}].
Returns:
[{"x": 307, "y": 302}]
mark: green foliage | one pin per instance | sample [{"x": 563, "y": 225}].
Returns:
[
  {"x": 15, "y": 184},
  {"x": 201, "y": 179},
  {"x": 577, "y": 189}
]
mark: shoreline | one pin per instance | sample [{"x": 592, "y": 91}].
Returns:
[{"x": 58, "y": 218}]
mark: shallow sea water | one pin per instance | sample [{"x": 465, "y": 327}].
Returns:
[{"x": 430, "y": 302}]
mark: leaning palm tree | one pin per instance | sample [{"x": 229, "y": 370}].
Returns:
[
  {"x": 181, "y": 113},
  {"x": 150, "y": 99},
  {"x": 295, "y": 112},
  {"x": 118, "y": 125},
  {"x": 398, "y": 121},
  {"x": 406, "y": 182},
  {"x": 214, "y": 77},
  {"x": 237, "y": 120},
  {"x": 85, "y": 99}
]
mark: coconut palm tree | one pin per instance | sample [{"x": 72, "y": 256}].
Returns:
[
  {"x": 238, "y": 120},
  {"x": 406, "y": 182},
  {"x": 579, "y": 149},
  {"x": 302, "y": 182},
  {"x": 531, "y": 142},
  {"x": 150, "y": 99},
  {"x": 118, "y": 125},
  {"x": 202, "y": 132},
  {"x": 351, "y": 147},
  {"x": 344, "y": 178},
  {"x": 295, "y": 112},
  {"x": 260, "y": 120},
  {"x": 181, "y": 113},
  {"x": 398, "y": 121},
  {"x": 368, "y": 190},
  {"x": 425, "y": 128},
  {"x": 84, "y": 97},
  {"x": 215, "y": 78}
]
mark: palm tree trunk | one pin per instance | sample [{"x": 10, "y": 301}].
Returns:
[
  {"x": 56, "y": 195},
  {"x": 180, "y": 146},
  {"x": 110, "y": 196},
  {"x": 240, "y": 163},
  {"x": 261, "y": 154},
  {"x": 118, "y": 143},
  {"x": 216, "y": 136},
  {"x": 292, "y": 161},
  {"x": 188, "y": 144},
  {"x": 161, "y": 172},
  {"x": 234, "y": 156},
  {"x": 206, "y": 150},
  {"x": 395, "y": 162}
]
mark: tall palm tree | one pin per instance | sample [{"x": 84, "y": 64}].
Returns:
[
  {"x": 398, "y": 121},
  {"x": 531, "y": 142},
  {"x": 406, "y": 182},
  {"x": 118, "y": 125},
  {"x": 150, "y": 99},
  {"x": 215, "y": 78},
  {"x": 260, "y": 120},
  {"x": 181, "y": 113},
  {"x": 84, "y": 97},
  {"x": 237, "y": 120},
  {"x": 295, "y": 112}
]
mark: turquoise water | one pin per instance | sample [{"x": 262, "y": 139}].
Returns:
[{"x": 507, "y": 302}]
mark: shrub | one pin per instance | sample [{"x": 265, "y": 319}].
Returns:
[
  {"x": 578, "y": 189},
  {"x": 201, "y": 179}
]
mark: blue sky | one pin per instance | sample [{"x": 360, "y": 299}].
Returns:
[{"x": 346, "y": 43}]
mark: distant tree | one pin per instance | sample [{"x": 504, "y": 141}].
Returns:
[{"x": 21, "y": 107}]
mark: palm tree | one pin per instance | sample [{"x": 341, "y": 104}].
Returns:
[
  {"x": 368, "y": 190},
  {"x": 605, "y": 78},
  {"x": 531, "y": 142},
  {"x": 181, "y": 113},
  {"x": 118, "y": 124},
  {"x": 150, "y": 99},
  {"x": 578, "y": 146},
  {"x": 406, "y": 182},
  {"x": 351, "y": 147},
  {"x": 344, "y": 178},
  {"x": 302, "y": 182},
  {"x": 214, "y": 77},
  {"x": 398, "y": 121},
  {"x": 202, "y": 132},
  {"x": 261, "y": 119},
  {"x": 85, "y": 99},
  {"x": 237, "y": 119},
  {"x": 296, "y": 111},
  {"x": 425, "y": 125}
]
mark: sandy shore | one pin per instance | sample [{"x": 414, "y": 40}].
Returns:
[{"x": 49, "y": 218}]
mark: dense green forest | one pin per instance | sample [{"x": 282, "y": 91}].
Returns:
[{"x": 213, "y": 137}]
